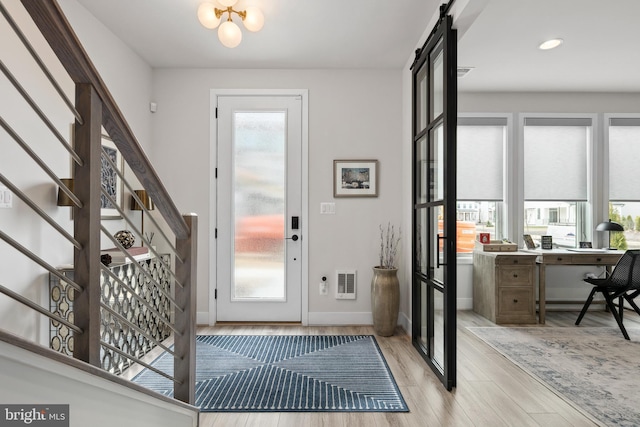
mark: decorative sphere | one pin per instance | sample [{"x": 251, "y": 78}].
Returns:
[
  {"x": 126, "y": 238},
  {"x": 207, "y": 16},
  {"x": 229, "y": 34},
  {"x": 254, "y": 21}
]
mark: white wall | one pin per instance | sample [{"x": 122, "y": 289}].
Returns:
[
  {"x": 548, "y": 102},
  {"x": 353, "y": 114},
  {"x": 16, "y": 271},
  {"x": 28, "y": 378},
  {"x": 129, "y": 79}
]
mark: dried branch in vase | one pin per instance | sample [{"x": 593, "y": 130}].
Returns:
[{"x": 389, "y": 242}]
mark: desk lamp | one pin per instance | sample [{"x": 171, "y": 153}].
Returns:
[{"x": 609, "y": 226}]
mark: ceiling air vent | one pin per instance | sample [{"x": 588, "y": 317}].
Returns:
[
  {"x": 346, "y": 284},
  {"x": 463, "y": 71}
]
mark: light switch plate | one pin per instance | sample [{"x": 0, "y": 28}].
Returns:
[
  {"x": 327, "y": 208},
  {"x": 6, "y": 197}
]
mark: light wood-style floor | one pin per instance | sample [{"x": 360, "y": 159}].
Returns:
[{"x": 491, "y": 391}]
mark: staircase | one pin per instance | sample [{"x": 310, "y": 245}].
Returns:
[{"x": 72, "y": 325}]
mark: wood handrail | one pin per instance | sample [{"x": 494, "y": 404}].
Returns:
[{"x": 50, "y": 20}]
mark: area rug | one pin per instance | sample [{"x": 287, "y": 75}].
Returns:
[
  {"x": 283, "y": 373},
  {"x": 595, "y": 369}
]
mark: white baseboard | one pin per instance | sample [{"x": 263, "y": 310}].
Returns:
[
  {"x": 405, "y": 322},
  {"x": 202, "y": 318},
  {"x": 320, "y": 318},
  {"x": 346, "y": 319},
  {"x": 315, "y": 319},
  {"x": 340, "y": 318},
  {"x": 464, "y": 303}
]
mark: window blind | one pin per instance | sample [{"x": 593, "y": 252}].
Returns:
[
  {"x": 557, "y": 121},
  {"x": 624, "y": 152},
  {"x": 555, "y": 159},
  {"x": 624, "y": 121},
  {"x": 480, "y": 158}
]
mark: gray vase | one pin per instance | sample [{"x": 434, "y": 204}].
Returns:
[{"x": 385, "y": 300}]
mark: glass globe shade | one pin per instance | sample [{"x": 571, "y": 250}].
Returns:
[
  {"x": 254, "y": 19},
  {"x": 229, "y": 34},
  {"x": 227, "y": 3},
  {"x": 207, "y": 16}
]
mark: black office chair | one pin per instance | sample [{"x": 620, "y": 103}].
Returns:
[{"x": 623, "y": 283}]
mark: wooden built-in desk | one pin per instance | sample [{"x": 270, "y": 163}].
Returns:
[{"x": 607, "y": 258}]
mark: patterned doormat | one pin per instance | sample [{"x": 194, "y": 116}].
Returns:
[
  {"x": 282, "y": 373},
  {"x": 594, "y": 369}
]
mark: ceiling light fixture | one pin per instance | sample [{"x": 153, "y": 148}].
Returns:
[
  {"x": 550, "y": 44},
  {"x": 229, "y": 33}
]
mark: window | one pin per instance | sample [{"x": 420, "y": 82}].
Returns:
[
  {"x": 555, "y": 179},
  {"x": 624, "y": 180},
  {"x": 480, "y": 175}
]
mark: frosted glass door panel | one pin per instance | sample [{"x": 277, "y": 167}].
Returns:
[{"x": 259, "y": 205}]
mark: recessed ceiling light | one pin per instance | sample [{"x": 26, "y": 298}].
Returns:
[{"x": 550, "y": 44}]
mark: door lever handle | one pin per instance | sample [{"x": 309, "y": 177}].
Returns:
[{"x": 294, "y": 238}]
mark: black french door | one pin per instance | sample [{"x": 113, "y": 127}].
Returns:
[{"x": 434, "y": 201}]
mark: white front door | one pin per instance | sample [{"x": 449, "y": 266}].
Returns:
[{"x": 259, "y": 208}]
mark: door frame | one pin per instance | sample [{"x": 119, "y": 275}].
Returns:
[{"x": 213, "y": 196}]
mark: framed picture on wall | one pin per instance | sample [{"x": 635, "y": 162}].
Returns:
[
  {"x": 110, "y": 180},
  {"x": 355, "y": 178}
]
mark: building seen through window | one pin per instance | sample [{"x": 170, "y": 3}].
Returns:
[{"x": 560, "y": 220}]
